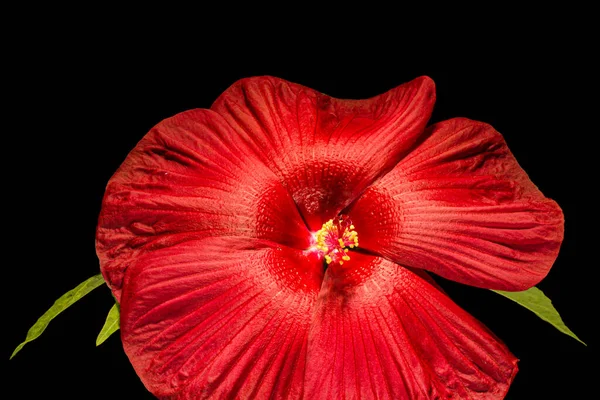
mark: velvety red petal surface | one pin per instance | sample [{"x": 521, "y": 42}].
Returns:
[
  {"x": 220, "y": 318},
  {"x": 191, "y": 177},
  {"x": 381, "y": 331},
  {"x": 460, "y": 205},
  {"x": 231, "y": 317},
  {"x": 325, "y": 151}
]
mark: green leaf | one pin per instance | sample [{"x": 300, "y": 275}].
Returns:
[
  {"x": 111, "y": 325},
  {"x": 535, "y": 300},
  {"x": 64, "y": 302}
]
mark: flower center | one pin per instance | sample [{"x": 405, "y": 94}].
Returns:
[{"x": 334, "y": 238}]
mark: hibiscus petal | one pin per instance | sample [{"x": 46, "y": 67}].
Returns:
[
  {"x": 191, "y": 177},
  {"x": 460, "y": 206},
  {"x": 218, "y": 317},
  {"x": 382, "y": 331},
  {"x": 325, "y": 150}
]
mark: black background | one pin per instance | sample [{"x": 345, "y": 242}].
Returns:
[{"x": 76, "y": 110}]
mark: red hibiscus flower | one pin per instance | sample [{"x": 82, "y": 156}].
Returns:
[{"x": 276, "y": 246}]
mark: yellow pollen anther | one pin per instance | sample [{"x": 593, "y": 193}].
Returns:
[{"x": 334, "y": 238}]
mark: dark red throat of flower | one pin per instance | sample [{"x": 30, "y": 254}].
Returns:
[{"x": 334, "y": 238}]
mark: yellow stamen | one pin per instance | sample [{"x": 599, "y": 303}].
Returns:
[{"x": 334, "y": 238}]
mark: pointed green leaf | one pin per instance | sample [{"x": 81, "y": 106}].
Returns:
[
  {"x": 535, "y": 300},
  {"x": 64, "y": 302},
  {"x": 111, "y": 325}
]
